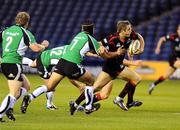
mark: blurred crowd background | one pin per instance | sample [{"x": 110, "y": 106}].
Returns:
[{"x": 59, "y": 20}]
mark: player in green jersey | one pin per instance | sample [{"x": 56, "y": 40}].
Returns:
[
  {"x": 15, "y": 41},
  {"x": 44, "y": 64},
  {"x": 69, "y": 65}
]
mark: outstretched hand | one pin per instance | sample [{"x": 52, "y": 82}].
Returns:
[
  {"x": 45, "y": 43},
  {"x": 157, "y": 51},
  {"x": 121, "y": 51},
  {"x": 138, "y": 63}
]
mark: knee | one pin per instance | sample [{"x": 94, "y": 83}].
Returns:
[
  {"x": 138, "y": 80},
  {"x": 28, "y": 88},
  {"x": 104, "y": 96}
]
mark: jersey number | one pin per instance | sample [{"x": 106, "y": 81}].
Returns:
[
  {"x": 75, "y": 41},
  {"x": 57, "y": 52},
  {"x": 9, "y": 41}
]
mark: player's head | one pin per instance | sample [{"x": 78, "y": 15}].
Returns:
[
  {"x": 124, "y": 27},
  {"x": 178, "y": 30},
  {"x": 22, "y": 19},
  {"x": 87, "y": 27}
]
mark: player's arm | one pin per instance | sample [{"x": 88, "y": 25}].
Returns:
[
  {"x": 106, "y": 54},
  {"x": 161, "y": 41},
  {"x": 133, "y": 63},
  {"x": 90, "y": 54},
  {"x": 39, "y": 47},
  {"x": 33, "y": 64},
  {"x": 141, "y": 39},
  {"x": 29, "y": 62},
  {"x": 30, "y": 41}
]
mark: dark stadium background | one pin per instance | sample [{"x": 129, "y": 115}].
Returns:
[{"x": 59, "y": 20}]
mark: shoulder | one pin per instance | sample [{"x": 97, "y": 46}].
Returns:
[
  {"x": 171, "y": 36},
  {"x": 112, "y": 37},
  {"x": 134, "y": 35}
]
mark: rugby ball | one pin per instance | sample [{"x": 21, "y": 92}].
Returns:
[{"x": 134, "y": 47}]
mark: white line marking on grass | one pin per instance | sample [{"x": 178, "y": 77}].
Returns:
[{"x": 177, "y": 113}]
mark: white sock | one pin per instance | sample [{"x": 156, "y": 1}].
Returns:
[
  {"x": 38, "y": 92},
  {"x": 89, "y": 97},
  {"x": 26, "y": 61},
  {"x": 119, "y": 98},
  {"x": 49, "y": 96},
  {"x": 8, "y": 101},
  {"x": 23, "y": 92}
]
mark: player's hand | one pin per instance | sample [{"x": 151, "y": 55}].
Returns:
[
  {"x": 102, "y": 50},
  {"x": 121, "y": 51},
  {"x": 45, "y": 43},
  {"x": 138, "y": 63},
  {"x": 157, "y": 51}
]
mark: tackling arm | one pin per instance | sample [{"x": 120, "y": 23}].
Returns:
[
  {"x": 133, "y": 63},
  {"x": 103, "y": 52},
  {"x": 39, "y": 47},
  {"x": 159, "y": 44}
]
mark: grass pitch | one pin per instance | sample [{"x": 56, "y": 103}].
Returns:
[{"x": 160, "y": 111}]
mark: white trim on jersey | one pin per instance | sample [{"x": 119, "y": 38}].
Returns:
[
  {"x": 26, "y": 34},
  {"x": 85, "y": 49},
  {"x": 46, "y": 73},
  {"x": 54, "y": 61},
  {"x": 93, "y": 44},
  {"x": 19, "y": 72},
  {"x": 22, "y": 47}
]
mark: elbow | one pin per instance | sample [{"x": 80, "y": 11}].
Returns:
[{"x": 37, "y": 49}]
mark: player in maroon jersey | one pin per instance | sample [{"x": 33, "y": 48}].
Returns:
[
  {"x": 114, "y": 68},
  {"x": 174, "y": 57}
]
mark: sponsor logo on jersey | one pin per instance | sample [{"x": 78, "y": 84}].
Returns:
[
  {"x": 12, "y": 34},
  {"x": 118, "y": 44},
  {"x": 11, "y": 75},
  {"x": 177, "y": 39}
]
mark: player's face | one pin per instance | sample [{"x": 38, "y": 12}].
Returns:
[
  {"x": 178, "y": 31},
  {"x": 128, "y": 31}
]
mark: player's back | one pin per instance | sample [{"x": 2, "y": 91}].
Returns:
[
  {"x": 77, "y": 48},
  {"x": 12, "y": 44}
]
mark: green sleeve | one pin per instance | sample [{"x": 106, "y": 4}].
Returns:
[{"x": 31, "y": 37}]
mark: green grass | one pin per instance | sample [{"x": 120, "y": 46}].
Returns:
[{"x": 160, "y": 111}]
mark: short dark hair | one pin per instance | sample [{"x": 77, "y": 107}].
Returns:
[{"x": 87, "y": 27}]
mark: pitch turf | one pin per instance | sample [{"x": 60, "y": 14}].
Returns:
[{"x": 160, "y": 111}]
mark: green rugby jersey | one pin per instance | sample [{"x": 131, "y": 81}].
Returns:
[
  {"x": 52, "y": 56},
  {"x": 79, "y": 46},
  {"x": 15, "y": 41}
]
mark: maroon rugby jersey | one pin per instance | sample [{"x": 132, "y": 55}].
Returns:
[
  {"x": 175, "y": 44},
  {"x": 112, "y": 43}
]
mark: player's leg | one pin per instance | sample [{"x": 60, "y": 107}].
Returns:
[
  {"x": 88, "y": 79},
  {"x": 102, "y": 79},
  {"x": 49, "y": 96},
  {"x": 78, "y": 85},
  {"x": 173, "y": 64},
  {"x": 25, "y": 86},
  {"x": 23, "y": 90},
  {"x": 14, "y": 76},
  {"x": 170, "y": 70},
  {"x": 51, "y": 85},
  {"x": 177, "y": 63},
  {"x": 133, "y": 79},
  {"x": 89, "y": 90},
  {"x": 104, "y": 92}
]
